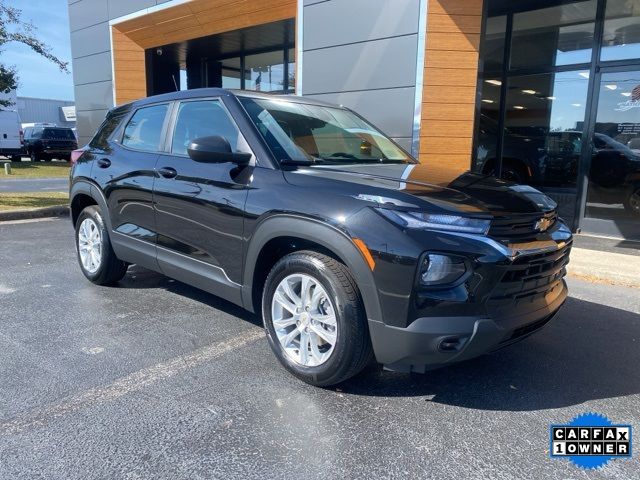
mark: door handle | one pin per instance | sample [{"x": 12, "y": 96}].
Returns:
[
  {"x": 168, "y": 172},
  {"x": 104, "y": 163}
]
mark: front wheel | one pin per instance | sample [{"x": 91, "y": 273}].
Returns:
[
  {"x": 314, "y": 318},
  {"x": 96, "y": 257}
]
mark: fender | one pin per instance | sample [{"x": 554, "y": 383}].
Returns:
[
  {"x": 287, "y": 225},
  {"x": 88, "y": 187},
  {"x": 127, "y": 249}
]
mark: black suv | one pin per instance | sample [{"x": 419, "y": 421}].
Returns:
[
  {"x": 305, "y": 212},
  {"x": 47, "y": 143}
]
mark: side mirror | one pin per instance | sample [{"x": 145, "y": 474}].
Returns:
[{"x": 216, "y": 149}]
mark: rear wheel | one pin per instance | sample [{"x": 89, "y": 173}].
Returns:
[
  {"x": 33, "y": 157},
  {"x": 314, "y": 319},
  {"x": 96, "y": 257},
  {"x": 632, "y": 202}
]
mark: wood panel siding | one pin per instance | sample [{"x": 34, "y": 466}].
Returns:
[
  {"x": 196, "y": 18},
  {"x": 450, "y": 84},
  {"x": 129, "y": 72}
]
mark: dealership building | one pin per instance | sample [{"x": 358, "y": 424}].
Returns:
[{"x": 543, "y": 92}]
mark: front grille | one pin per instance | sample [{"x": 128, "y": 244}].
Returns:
[
  {"x": 532, "y": 277},
  {"x": 519, "y": 226}
]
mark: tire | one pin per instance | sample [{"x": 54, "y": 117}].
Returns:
[
  {"x": 33, "y": 157},
  {"x": 16, "y": 158},
  {"x": 632, "y": 201},
  {"x": 351, "y": 350},
  {"x": 511, "y": 173},
  {"x": 107, "y": 269}
]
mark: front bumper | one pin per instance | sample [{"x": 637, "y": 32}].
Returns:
[
  {"x": 11, "y": 151},
  {"x": 431, "y": 342}
]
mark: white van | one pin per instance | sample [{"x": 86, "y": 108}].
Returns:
[{"x": 11, "y": 135}]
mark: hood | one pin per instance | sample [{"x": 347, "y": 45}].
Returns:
[{"x": 408, "y": 186}]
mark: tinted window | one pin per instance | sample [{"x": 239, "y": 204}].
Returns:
[
  {"x": 144, "y": 130},
  {"x": 203, "y": 119},
  {"x": 37, "y": 133},
  {"x": 106, "y": 129},
  {"x": 58, "y": 133}
]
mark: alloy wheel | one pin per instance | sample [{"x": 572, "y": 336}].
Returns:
[
  {"x": 304, "y": 320},
  {"x": 90, "y": 245}
]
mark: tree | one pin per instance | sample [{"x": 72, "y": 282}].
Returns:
[{"x": 14, "y": 29}]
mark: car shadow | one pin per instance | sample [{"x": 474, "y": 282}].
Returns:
[
  {"x": 588, "y": 352},
  {"x": 140, "y": 278}
]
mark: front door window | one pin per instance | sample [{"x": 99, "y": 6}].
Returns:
[{"x": 614, "y": 176}]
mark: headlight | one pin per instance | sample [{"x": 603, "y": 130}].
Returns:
[
  {"x": 441, "y": 269},
  {"x": 449, "y": 223}
]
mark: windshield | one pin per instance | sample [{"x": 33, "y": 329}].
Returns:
[
  {"x": 56, "y": 133},
  {"x": 317, "y": 134}
]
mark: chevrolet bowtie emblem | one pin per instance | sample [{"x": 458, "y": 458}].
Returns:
[{"x": 542, "y": 224}]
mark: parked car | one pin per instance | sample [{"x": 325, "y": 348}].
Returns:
[
  {"x": 614, "y": 175},
  {"x": 11, "y": 135},
  {"x": 47, "y": 143},
  {"x": 538, "y": 157},
  {"x": 519, "y": 153},
  {"x": 306, "y": 213}
]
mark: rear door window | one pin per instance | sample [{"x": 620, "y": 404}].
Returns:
[
  {"x": 144, "y": 130},
  {"x": 106, "y": 129}
]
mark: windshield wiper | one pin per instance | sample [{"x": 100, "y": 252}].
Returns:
[
  {"x": 356, "y": 160},
  {"x": 307, "y": 162},
  {"x": 298, "y": 162},
  {"x": 301, "y": 161}
]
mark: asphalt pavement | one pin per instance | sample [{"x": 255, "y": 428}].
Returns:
[
  {"x": 15, "y": 185},
  {"x": 156, "y": 379}
]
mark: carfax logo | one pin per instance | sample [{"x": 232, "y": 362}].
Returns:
[{"x": 590, "y": 440}]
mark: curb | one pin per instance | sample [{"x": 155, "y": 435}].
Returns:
[
  {"x": 56, "y": 211},
  {"x": 605, "y": 267}
]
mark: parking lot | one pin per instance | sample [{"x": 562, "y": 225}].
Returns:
[{"x": 156, "y": 379}]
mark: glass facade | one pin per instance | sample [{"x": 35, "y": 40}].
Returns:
[
  {"x": 259, "y": 57},
  {"x": 267, "y": 71},
  {"x": 613, "y": 190},
  {"x": 264, "y": 72},
  {"x": 553, "y": 36},
  {"x": 621, "y": 36},
  {"x": 560, "y": 106}
]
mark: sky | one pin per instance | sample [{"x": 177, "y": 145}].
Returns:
[{"x": 38, "y": 77}]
